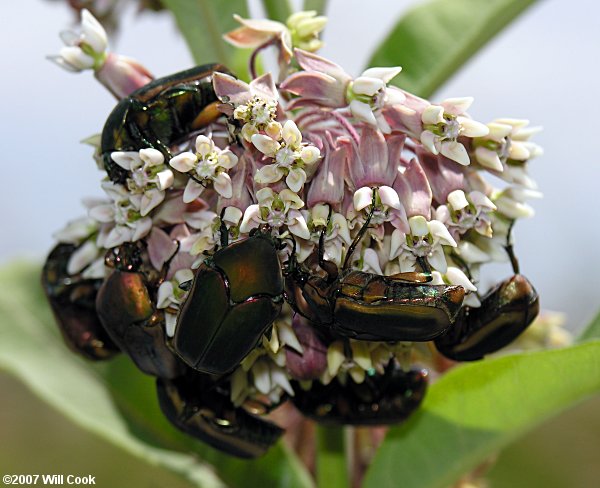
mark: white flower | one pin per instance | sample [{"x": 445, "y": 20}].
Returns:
[
  {"x": 366, "y": 358},
  {"x": 86, "y": 50},
  {"x": 149, "y": 176},
  {"x": 277, "y": 210},
  {"x": 123, "y": 216},
  {"x": 301, "y": 30},
  {"x": 171, "y": 296},
  {"x": 208, "y": 165},
  {"x": 76, "y": 230},
  {"x": 465, "y": 212},
  {"x": 368, "y": 94},
  {"x": 337, "y": 233},
  {"x": 290, "y": 157},
  {"x": 387, "y": 209},
  {"x": 425, "y": 240},
  {"x": 444, "y": 123}
]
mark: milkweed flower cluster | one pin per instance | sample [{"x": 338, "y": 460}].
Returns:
[{"x": 369, "y": 175}]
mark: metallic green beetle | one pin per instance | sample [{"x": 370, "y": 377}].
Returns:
[
  {"x": 127, "y": 310},
  {"x": 234, "y": 298},
  {"x": 161, "y": 113}
]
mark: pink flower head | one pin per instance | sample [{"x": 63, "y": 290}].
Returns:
[
  {"x": 375, "y": 161},
  {"x": 327, "y": 186},
  {"x": 413, "y": 189}
]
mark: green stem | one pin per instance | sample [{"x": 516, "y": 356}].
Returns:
[
  {"x": 277, "y": 9},
  {"x": 319, "y": 5},
  {"x": 332, "y": 471}
]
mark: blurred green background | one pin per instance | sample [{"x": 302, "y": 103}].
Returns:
[{"x": 562, "y": 453}]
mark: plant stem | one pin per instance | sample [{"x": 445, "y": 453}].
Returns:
[{"x": 277, "y": 9}]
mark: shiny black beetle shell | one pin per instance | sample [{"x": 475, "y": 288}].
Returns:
[
  {"x": 505, "y": 312},
  {"x": 380, "y": 399},
  {"x": 73, "y": 302},
  {"x": 201, "y": 407},
  {"x": 235, "y": 296}
]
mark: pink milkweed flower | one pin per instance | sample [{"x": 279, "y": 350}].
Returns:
[
  {"x": 254, "y": 104},
  {"x": 443, "y": 125},
  {"x": 424, "y": 240},
  {"x": 413, "y": 188},
  {"x": 443, "y": 175},
  {"x": 375, "y": 161},
  {"x": 325, "y": 83},
  {"x": 327, "y": 186}
]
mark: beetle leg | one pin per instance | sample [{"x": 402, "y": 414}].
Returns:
[
  {"x": 201, "y": 407},
  {"x": 360, "y": 235},
  {"x": 223, "y": 230},
  {"x": 509, "y": 250},
  {"x": 329, "y": 267}
]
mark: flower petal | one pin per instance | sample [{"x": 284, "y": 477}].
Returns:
[
  {"x": 126, "y": 159},
  {"x": 457, "y": 106},
  {"x": 251, "y": 219},
  {"x": 488, "y": 158},
  {"x": 222, "y": 185},
  {"x": 192, "y": 191},
  {"x": 295, "y": 179},
  {"x": 151, "y": 156},
  {"x": 150, "y": 200},
  {"x": 456, "y": 152},
  {"x": 389, "y": 197},
  {"x": 472, "y": 128},
  {"x": 363, "y": 197},
  {"x": 386, "y": 74},
  {"x": 265, "y": 144},
  {"x": 184, "y": 162},
  {"x": 363, "y": 111}
]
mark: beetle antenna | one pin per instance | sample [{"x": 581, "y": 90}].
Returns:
[
  {"x": 510, "y": 251},
  {"x": 424, "y": 265},
  {"x": 291, "y": 263},
  {"x": 463, "y": 264},
  {"x": 200, "y": 182},
  {"x": 224, "y": 231},
  {"x": 328, "y": 266},
  {"x": 360, "y": 234}
]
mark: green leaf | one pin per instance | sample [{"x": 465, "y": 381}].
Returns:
[
  {"x": 434, "y": 39},
  {"x": 203, "y": 23},
  {"x": 318, "y": 5},
  {"x": 477, "y": 409},
  {"x": 113, "y": 399},
  {"x": 592, "y": 331},
  {"x": 278, "y": 10},
  {"x": 332, "y": 471}
]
